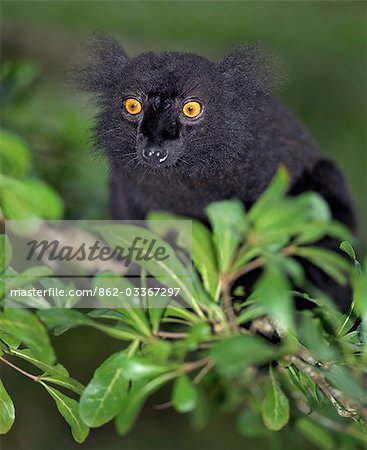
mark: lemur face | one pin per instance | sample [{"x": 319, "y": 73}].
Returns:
[
  {"x": 162, "y": 111},
  {"x": 164, "y": 102},
  {"x": 165, "y": 123},
  {"x": 170, "y": 111}
]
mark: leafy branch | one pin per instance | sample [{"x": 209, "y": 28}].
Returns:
[{"x": 264, "y": 358}]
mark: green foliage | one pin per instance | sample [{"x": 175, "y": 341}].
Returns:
[
  {"x": 275, "y": 407},
  {"x": 234, "y": 354},
  {"x": 43, "y": 118},
  {"x": 27, "y": 328},
  {"x": 226, "y": 341},
  {"x": 184, "y": 395},
  {"x": 23, "y": 197},
  {"x": 229, "y": 227},
  {"x": 54, "y": 127},
  {"x": 102, "y": 399},
  {"x": 7, "y": 411},
  {"x": 69, "y": 409}
]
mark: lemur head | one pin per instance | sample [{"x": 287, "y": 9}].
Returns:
[{"x": 163, "y": 111}]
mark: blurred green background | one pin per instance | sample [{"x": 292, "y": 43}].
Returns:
[{"x": 323, "y": 47}]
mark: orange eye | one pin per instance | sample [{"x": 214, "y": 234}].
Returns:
[
  {"x": 133, "y": 106},
  {"x": 192, "y": 109}
]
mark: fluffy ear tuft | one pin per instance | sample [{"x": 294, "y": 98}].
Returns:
[
  {"x": 105, "y": 60},
  {"x": 252, "y": 69}
]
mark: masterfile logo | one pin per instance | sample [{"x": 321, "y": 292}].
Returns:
[{"x": 97, "y": 264}]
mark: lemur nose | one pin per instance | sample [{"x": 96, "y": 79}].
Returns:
[{"x": 155, "y": 155}]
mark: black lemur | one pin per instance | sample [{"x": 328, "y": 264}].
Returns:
[{"x": 181, "y": 131}]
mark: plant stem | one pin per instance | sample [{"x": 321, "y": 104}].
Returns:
[
  {"x": 171, "y": 335},
  {"x": 342, "y": 404},
  {"x": 228, "y": 307},
  {"x": 228, "y": 280},
  {"x": 192, "y": 365},
  {"x": 206, "y": 369},
  {"x": 164, "y": 405},
  {"x": 255, "y": 264},
  {"x": 29, "y": 375},
  {"x": 249, "y": 267}
]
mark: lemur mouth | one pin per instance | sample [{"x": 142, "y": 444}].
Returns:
[
  {"x": 164, "y": 158},
  {"x": 155, "y": 156}
]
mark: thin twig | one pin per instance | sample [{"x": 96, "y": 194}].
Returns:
[
  {"x": 342, "y": 405},
  {"x": 164, "y": 405},
  {"x": 193, "y": 365},
  {"x": 205, "y": 370},
  {"x": 255, "y": 264},
  {"x": 249, "y": 267},
  {"x": 325, "y": 421},
  {"x": 228, "y": 280},
  {"x": 188, "y": 367},
  {"x": 228, "y": 307},
  {"x": 171, "y": 335},
  {"x": 29, "y": 375}
]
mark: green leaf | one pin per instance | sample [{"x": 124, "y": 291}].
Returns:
[
  {"x": 344, "y": 380},
  {"x": 133, "y": 402},
  {"x": 315, "y": 230},
  {"x": 25, "y": 326},
  {"x": 156, "y": 314},
  {"x": 292, "y": 215},
  {"x": 348, "y": 249},
  {"x": 311, "y": 335},
  {"x": 30, "y": 198},
  {"x": 275, "y": 297},
  {"x": 275, "y": 407},
  {"x": 5, "y": 252},
  {"x": 69, "y": 409},
  {"x": 60, "y": 301},
  {"x": 15, "y": 280},
  {"x": 289, "y": 266},
  {"x": 61, "y": 320},
  {"x": 244, "y": 256},
  {"x": 7, "y": 411},
  {"x": 8, "y": 341},
  {"x": 315, "y": 207},
  {"x": 275, "y": 192},
  {"x": 135, "y": 368},
  {"x": 229, "y": 223},
  {"x": 15, "y": 207},
  {"x": 56, "y": 371},
  {"x": 203, "y": 254},
  {"x": 305, "y": 385},
  {"x": 157, "y": 351},
  {"x": 136, "y": 315},
  {"x": 66, "y": 382},
  {"x": 15, "y": 155},
  {"x": 103, "y": 397},
  {"x": 184, "y": 396},
  {"x": 316, "y": 434},
  {"x": 330, "y": 262},
  {"x": 170, "y": 272},
  {"x": 196, "y": 239},
  {"x": 182, "y": 313},
  {"x": 197, "y": 333},
  {"x": 359, "y": 283},
  {"x": 359, "y": 280},
  {"x": 44, "y": 199},
  {"x": 233, "y": 355}
]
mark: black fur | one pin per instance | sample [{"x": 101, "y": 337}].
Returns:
[{"x": 232, "y": 150}]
